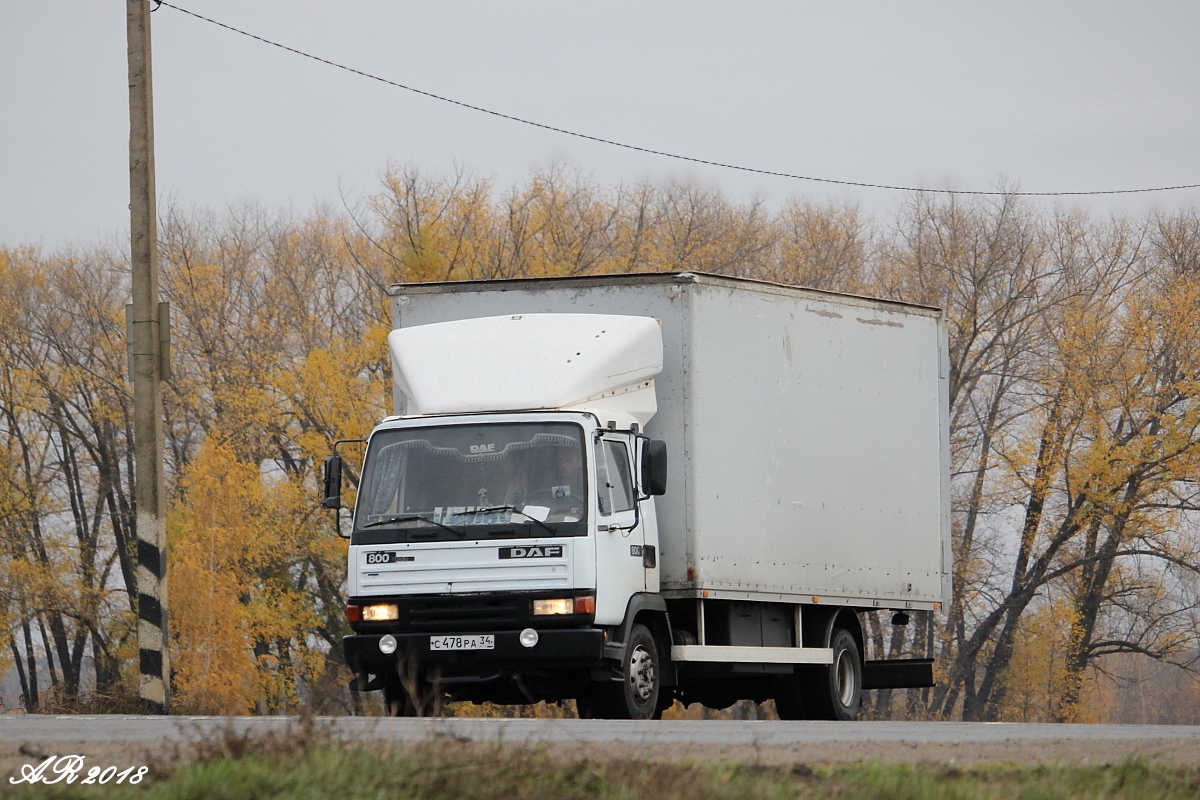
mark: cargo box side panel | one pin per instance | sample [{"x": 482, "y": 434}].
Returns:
[
  {"x": 661, "y": 298},
  {"x": 816, "y": 446}
]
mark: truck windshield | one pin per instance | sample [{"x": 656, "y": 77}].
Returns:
[{"x": 473, "y": 481}]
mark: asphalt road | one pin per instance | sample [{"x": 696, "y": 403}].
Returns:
[
  {"x": 26, "y": 736},
  {"x": 46, "y": 728}
]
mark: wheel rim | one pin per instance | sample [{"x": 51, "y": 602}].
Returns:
[
  {"x": 641, "y": 674},
  {"x": 845, "y": 679}
]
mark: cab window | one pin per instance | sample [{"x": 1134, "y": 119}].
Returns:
[{"x": 614, "y": 478}]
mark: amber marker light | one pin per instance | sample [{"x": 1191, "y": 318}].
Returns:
[{"x": 585, "y": 605}]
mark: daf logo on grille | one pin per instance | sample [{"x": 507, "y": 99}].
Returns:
[{"x": 542, "y": 551}]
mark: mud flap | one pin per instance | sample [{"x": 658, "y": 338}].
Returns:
[{"x": 899, "y": 673}]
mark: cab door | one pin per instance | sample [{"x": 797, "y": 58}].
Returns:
[{"x": 620, "y": 538}]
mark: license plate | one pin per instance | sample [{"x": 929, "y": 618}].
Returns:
[{"x": 482, "y": 641}]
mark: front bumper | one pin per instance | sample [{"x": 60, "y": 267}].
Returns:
[{"x": 555, "y": 649}]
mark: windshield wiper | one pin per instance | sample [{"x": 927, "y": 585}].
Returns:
[
  {"x": 514, "y": 509},
  {"x": 411, "y": 518}
]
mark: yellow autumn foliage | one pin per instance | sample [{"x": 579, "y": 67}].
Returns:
[{"x": 239, "y": 622}]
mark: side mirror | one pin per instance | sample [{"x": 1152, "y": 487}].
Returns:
[
  {"x": 654, "y": 467},
  {"x": 333, "y": 483}
]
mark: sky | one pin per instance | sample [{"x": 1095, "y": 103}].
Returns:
[{"x": 1063, "y": 96}]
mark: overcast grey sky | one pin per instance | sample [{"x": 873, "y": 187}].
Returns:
[{"x": 1056, "y": 96}]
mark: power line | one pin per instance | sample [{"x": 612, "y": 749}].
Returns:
[{"x": 650, "y": 151}]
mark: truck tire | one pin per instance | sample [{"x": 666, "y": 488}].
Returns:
[
  {"x": 835, "y": 692},
  {"x": 637, "y": 694}
]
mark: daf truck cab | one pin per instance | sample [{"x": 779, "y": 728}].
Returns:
[{"x": 504, "y": 554}]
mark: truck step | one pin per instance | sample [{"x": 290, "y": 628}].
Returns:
[{"x": 751, "y": 655}]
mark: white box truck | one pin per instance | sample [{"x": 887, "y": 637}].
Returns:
[{"x": 517, "y": 535}]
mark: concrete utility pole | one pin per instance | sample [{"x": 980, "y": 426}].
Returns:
[{"x": 146, "y": 350}]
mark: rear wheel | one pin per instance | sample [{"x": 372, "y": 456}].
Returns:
[{"x": 835, "y": 692}]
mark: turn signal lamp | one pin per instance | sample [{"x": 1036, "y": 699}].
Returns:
[
  {"x": 585, "y": 605},
  {"x": 385, "y": 612},
  {"x": 353, "y": 613}
]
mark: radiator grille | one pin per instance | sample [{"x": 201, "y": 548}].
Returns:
[{"x": 462, "y": 614}]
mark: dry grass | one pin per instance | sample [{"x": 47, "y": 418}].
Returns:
[{"x": 307, "y": 761}]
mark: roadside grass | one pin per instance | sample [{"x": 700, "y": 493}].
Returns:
[
  {"x": 427, "y": 772},
  {"x": 307, "y": 763}
]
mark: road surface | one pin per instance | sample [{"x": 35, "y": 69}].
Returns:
[{"x": 24, "y": 738}]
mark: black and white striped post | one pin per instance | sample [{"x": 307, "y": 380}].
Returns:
[{"x": 148, "y": 358}]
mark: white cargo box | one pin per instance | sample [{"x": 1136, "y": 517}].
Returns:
[{"x": 807, "y": 431}]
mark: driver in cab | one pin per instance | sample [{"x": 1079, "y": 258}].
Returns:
[{"x": 560, "y": 498}]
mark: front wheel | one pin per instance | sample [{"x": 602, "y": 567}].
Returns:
[
  {"x": 637, "y": 695},
  {"x": 835, "y": 692}
]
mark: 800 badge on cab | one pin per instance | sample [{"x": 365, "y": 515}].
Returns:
[{"x": 386, "y": 557}]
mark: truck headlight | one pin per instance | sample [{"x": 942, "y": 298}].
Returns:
[
  {"x": 554, "y": 605},
  {"x": 383, "y": 612}
]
